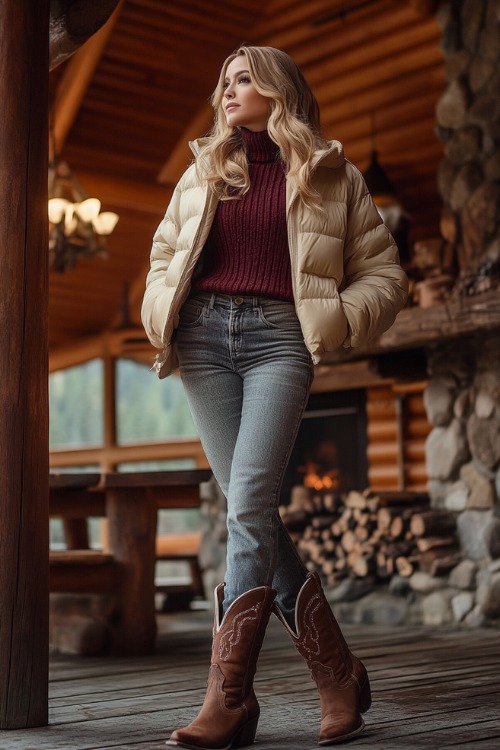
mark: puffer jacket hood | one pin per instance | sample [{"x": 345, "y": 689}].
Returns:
[{"x": 347, "y": 282}]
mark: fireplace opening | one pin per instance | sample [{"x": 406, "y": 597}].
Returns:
[{"x": 330, "y": 453}]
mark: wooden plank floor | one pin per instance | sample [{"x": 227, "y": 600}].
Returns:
[{"x": 432, "y": 689}]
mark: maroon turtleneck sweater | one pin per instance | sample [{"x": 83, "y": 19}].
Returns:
[{"x": 247, "y": 249}]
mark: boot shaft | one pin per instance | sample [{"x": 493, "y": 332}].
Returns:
[
  {"x": 320, "y": 632},
  {"x": 238, "y": 637},
  {"x": 318, "y": 637}
]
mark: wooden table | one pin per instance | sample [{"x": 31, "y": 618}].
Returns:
[{"x": 130, "y": 502}]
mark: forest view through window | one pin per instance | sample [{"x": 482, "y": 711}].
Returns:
[
  {"x": 76, "y": 397},
  {"x": 147, "y": 409}
]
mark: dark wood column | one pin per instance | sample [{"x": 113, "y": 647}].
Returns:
[{"x": 23, "y": 364}]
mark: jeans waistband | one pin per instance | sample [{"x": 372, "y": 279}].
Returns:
[
  {"x": 238, "y": 300},
  {"x": 235, "y": 300}
]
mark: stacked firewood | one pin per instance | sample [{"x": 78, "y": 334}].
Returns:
[{"x": 371, "y": 534}]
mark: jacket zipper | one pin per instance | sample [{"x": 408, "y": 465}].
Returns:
[{"x": 292, "y": 246}]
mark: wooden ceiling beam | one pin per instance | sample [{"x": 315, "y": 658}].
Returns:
[
  {"x": 321, "y": 12},
  {"x": 287, "y": 14},
  {"x": 179, "y": 18},
  {"x": 389, "y": 118},
  {"x": 394, "y": 142},
  {"x": 145, "y": 197},
  {"x": 308, "y": 44},
  {"x": 181, "y": 155},
  {"x": 383, "y": 50},
  {"x": 76, "y": 80},
  {"x": 424, "y": 7},
  {"x": 116, "y": 162},
  {"x": 352, "y": 83},
  {"x": 377, "y": 98}
]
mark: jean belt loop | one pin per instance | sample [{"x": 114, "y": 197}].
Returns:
[
  {"x": 212, "y": 301},
  {"x": 255, "y": 303}
]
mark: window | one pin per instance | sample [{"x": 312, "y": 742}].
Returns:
[
  {"x": 76, "y": 406},
  {"x": 148, "y": 408}
]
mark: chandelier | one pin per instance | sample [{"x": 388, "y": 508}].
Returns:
[{"x": 77, "y": 227}]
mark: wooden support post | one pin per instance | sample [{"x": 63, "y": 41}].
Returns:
[
  {"x": 110, "y": 425},
  {"x": 24, "y": 630}
]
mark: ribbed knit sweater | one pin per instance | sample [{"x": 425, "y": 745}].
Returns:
[{"x": 247, "y": 249}]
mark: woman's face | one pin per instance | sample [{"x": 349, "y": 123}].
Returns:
[{"x": 243, "y": 105}]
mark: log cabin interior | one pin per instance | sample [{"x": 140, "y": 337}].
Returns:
[
  {"x": 123, "y": 109},
  {"x": 408, "y": 86}
]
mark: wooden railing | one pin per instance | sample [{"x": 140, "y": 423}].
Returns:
[{"x": 109, "y": 457}]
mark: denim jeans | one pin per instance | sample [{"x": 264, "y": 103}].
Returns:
[{"x": 247, "y": 374}]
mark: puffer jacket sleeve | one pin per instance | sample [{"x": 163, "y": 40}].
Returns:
[
  {"x": 375, "y": 286},
  {"x": 162, "y": 252}
]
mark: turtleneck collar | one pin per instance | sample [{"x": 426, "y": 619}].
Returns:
[{"x": 259, "y": 146}]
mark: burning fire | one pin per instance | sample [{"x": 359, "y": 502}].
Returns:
[{"x": 328, "y": 481}]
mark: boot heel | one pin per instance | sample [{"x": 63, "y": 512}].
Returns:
[
  {"x": 246, "y": 735},
  {"x": 365, "y": 696}
]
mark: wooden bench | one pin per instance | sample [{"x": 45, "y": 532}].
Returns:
[
  {"x": 82, "y": 571},
  {"x": 180, "y": 548},
  {"x": 130, "y": 502}
]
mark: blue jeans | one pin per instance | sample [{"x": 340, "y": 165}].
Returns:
[{"x": 247, "y": 374}]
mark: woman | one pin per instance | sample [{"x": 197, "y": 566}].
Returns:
[{"x": 270, "y": 256}]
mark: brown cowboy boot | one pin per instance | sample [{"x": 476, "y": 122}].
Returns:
[
  {"x": 230, "y": 712},
  {"x": 340, "y": 676}
]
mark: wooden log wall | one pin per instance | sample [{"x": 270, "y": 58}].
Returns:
[
  {"x": 415, "y": 429},
  {"x": 397, "y": 430},
  {"x": 24, "y": 629},
  {"x": 382, "y": 432}
]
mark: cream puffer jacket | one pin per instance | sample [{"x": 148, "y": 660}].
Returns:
[{"x": 347, "y": 282}]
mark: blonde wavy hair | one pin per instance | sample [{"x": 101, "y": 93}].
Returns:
[{"x": 293, "y": 125}]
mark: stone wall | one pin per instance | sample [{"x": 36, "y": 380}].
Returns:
[
  {"x": 468, "y": 124},
  {"x": 462, "y": 402},
  {"x": 463, "y": 395}
]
